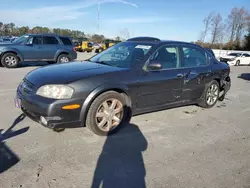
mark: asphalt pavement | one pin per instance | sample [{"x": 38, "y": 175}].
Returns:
[{"x": 176, "y": 148}]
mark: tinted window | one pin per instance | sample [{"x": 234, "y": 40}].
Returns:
[
  {"x": 50, "y": 40},
  {"x": 193, "y": 57},
  {"x": 66, "y": 41},
  {"x": 234, "y": 54},
  {"x": 35, "y": 40},
  {"x": 246, "y": 55},
  {"x": 167, "y": 56}
]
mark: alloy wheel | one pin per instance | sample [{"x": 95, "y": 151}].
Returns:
[
  {"x": 64, "y": 59},
  {"x": 109, "y": 114},
  {"x": 10, "y": 61},
  {"x": 212, "y": 94}
]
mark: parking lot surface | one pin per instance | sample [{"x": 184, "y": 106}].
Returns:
[{"x": 176, "y": 148}]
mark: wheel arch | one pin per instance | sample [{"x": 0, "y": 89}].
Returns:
[
  {"x": 16, "y": 52},
  {"x": 98, "y": 91},
  {"x": 60, "y": 53}
]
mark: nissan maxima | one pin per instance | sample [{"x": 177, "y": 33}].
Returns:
[{"x": 140, "y": 75}]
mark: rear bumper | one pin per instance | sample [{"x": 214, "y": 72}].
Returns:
[
  {"x": 74, "y": 55},
  {"x": 49, "y": 112},
  {"x": 226, "y": 85}
]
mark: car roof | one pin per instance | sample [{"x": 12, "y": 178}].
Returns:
[
  {"x": 48, "y": 34},
  {"x": 155, "y": 40}
]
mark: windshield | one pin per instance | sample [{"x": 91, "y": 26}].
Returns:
[
  {"x": 20, "y": 39},
  {"x": 123, "y": 54},
  {"x": 234, "y": 54}
]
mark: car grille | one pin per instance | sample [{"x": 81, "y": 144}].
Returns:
[
  {"x": 223, "y": 59},
  {"x": 27, "y": 87}
]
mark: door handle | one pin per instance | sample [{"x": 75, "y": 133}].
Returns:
[{"x": 179, "y": 75}]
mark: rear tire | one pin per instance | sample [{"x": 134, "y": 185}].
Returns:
[
  {"x": 63, "y": 58},
  {"x": 10, "y": 60},
  {"x": 103, "y": 118},
  {"x": 210, "y": 95}
]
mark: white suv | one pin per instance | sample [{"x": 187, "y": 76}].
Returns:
[{"x": 236, "y": 59}]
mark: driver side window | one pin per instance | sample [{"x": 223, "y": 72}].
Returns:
[
  {"x": 167, "y": 56},
  {"x": 35, "y": 40}
]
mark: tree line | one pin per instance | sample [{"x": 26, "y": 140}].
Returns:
[
  {"x": 230, "y": 33},
  {"x": 10, "y": 29}
]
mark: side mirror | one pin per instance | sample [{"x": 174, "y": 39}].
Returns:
[
  {"x": 154, "y": 66},
  {"x": 29, "y": 44}
]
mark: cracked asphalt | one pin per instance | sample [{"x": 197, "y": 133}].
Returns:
[{"x": 177, "y": 148}]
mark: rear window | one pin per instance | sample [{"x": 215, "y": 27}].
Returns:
[{"x": 66, "y": 41}]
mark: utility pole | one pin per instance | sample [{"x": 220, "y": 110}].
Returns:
[{"x": 98, "y": 17}]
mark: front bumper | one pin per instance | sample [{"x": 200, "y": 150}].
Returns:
[
  {"x": 49, "y": 112},
  {"x": 227, "y": 61},
  {"x": 231, "y": 62}
]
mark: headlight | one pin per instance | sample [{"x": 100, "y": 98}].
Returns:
[
  {"x": 55, "y": 91},
  {"x": 232, "y": 59}
]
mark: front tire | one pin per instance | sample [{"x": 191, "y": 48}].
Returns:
[
  {"x": 107, "y": 113},
  {"x": 210, "y": 95},
  {"x": 63, "y": 58},
  {"x": 10, "y": 60},
  {"x": 237, "y": 63}
]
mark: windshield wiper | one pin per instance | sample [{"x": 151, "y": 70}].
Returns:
[{"x": 102, "y": 62}]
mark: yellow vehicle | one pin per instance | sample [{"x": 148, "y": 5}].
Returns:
[
  {"x": 84, "y": 45},
  {"x": 106, "y": 44}
]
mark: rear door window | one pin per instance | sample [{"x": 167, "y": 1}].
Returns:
[
  {"x": 50, "y": 40},
  {"x": 193, "y": 57}
]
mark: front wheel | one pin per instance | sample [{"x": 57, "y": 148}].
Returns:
[
  {"x": 107, "y": 113},
  {"x": 210, "y": 95},
  {"x": 237, "y": 63},
  {"x": 63, "y": 58},
  {"x": 10, "y": 60}
]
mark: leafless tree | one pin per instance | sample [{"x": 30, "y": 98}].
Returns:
[
  {"x": 207, "y": 22},
  {"x": 237, "y": 22},
  {"x": 216, "y": 28}
]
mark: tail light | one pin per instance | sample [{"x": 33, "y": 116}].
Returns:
[{"x": 74, "y": 48}]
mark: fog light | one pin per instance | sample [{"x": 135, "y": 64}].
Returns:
[{"x": 43, "y": 120}]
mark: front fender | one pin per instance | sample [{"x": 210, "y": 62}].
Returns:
[
  {"x": 96, "y": 92},
  {"x": 13, "y": 50}
]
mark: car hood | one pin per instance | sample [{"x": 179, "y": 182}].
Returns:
[
  {"x": 6, "y": 44},
  {"x": 228, "y": 57},
  {"x": 67, "y": 73}
]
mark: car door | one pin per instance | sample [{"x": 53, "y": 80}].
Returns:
[
  {"x": 245, "y": 59},
  {"x": 31, "y": 49},
  {"x": 196, "y": 71},
  {"x": 50, "y": 47},
  {"x": 160, "y": 87}
]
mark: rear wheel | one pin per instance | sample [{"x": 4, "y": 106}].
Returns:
[
  {"x": 10, "y": 60},
  {"x": 63, "y": 58},
  {"x": 107, "y": 113},
  {"x": 210, "y": 95}
]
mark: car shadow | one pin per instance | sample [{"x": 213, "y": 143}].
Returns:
[
  {"x": 120, "y": 163},
  {"x": 7, "y": 157},
  {"x": 245, "y": 76},
  {"x": 32, "y": 64}
]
